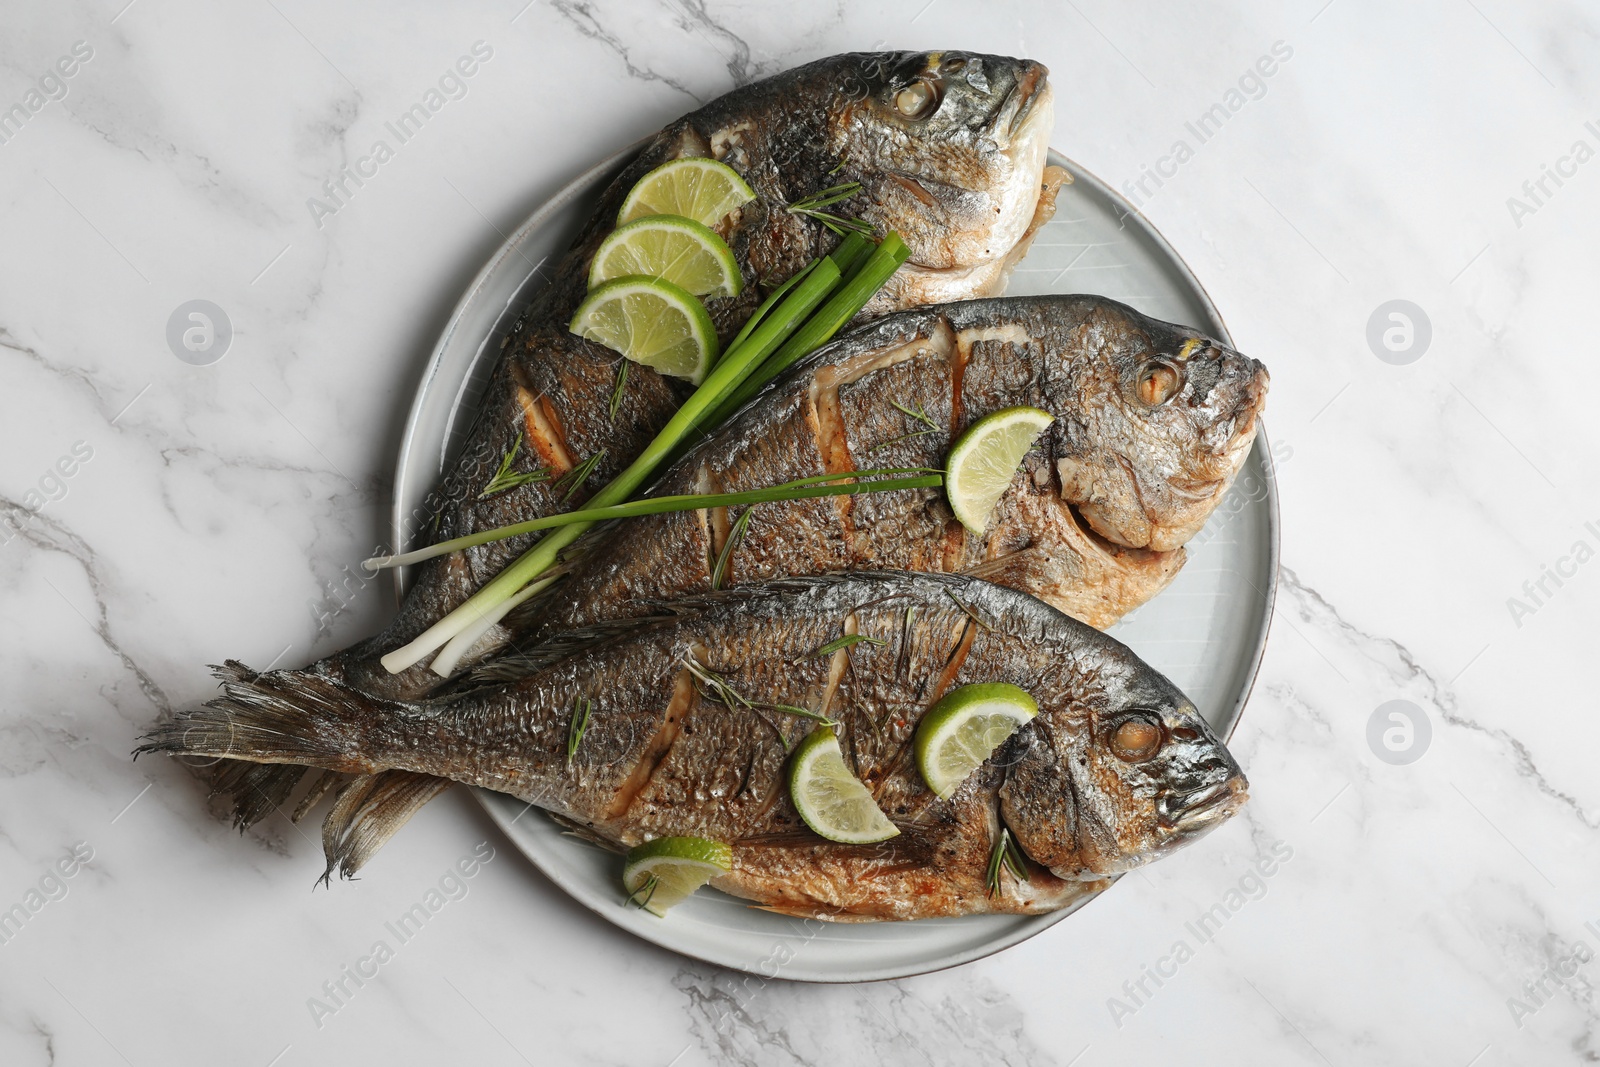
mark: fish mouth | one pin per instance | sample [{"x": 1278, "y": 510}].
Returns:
[
  {"x": 1203, "y": 808},
  {"x": 1032, "y": 83}
]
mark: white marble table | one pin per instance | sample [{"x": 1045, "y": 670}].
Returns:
[{"x": 1438, "y": 912}]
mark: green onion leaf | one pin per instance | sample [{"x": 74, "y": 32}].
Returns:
[
  {"x": 799, "y": 489},
  {"x": 846, "y": 302},
  {"x": 732, "y": 371}
]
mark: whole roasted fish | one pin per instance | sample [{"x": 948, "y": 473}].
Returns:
[
  {"x": 1152, "y": 423},
  {"x": 945, "y": 148},
  {"x": 1117, "y": 769}
]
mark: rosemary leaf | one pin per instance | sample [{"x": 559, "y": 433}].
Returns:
[
  {"x": 648, "y": 888},
  {"x": 970, "y": 613},
  {"x": 505, "y": 478},
  {"x": 813, "y": 206},
  {"x": 921, "y": 415},
  {"x": 719, "y": 573},
  {"x": 616, "y": 392},
  {"x": 1006, "y": 856},
  {"x": 845, "y": 642},
  {"x": 723, "y": 693},
  {"x": 573, "y": 480},
  {"x": 578, "y": 725}
]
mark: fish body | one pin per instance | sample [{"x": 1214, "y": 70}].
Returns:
[
  {"x": 662, "y": 754},
  {"x": 961, "y": 178},
  {"x": 896, "y": 394}
]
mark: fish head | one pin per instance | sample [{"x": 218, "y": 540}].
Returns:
[
  {"x": 949, "y": 148},
  {"x": 1105, "y": 783},
  {"x": 1158, "y": 430}
]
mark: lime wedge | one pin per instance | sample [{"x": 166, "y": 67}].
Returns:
[
  {"x": 831, "y": 800},
  {"x": 700, "y": 189},
  {"x": 650, "y": 321},
  {"x": 964, "y": 729},
  {"x": 663, "y": 872},
  {"x": 985, "y": 459},
  {"x": 680, "y": 250}
]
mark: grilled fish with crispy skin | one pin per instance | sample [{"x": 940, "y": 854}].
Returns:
[
  {"x": 1152, "y": 423},
  {"x": 1117, "y": 769}
]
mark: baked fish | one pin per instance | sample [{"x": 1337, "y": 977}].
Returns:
[
  {"x": 945, "y": 148},
  {"x": 1117, "y": 769},
  {"x": 1152, "y": 423}
]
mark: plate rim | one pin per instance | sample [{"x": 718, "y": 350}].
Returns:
[{"x": 1031, "y": 926}]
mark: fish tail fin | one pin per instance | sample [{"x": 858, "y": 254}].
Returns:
[
  {"x": 255, "y": 790},
  {"x": 368, "y": 812},
  {"x": 292, "y": 717}
]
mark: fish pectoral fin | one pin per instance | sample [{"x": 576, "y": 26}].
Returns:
[
  {"x": 573, "y": 828},
  {"x": 368, "y": 812},
  {"x": 518, "y": 664},
  {"x": 820, "y": 911}
]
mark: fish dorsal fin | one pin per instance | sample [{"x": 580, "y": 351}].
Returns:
[{"x": 519, "y": 663}]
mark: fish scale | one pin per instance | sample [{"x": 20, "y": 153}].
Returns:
[{"x": 663, "y": 756}]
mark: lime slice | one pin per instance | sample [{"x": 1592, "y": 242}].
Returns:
[
  {"x": 650, "y": 321},
  {"x": 663, "y": 872},
  {"x": 831, "y": 800},
  {"x": 985, "y": 459},
  {"x": 964, "y": 729},
  {"x": 699, "y": 189},
  {"x": 680, "y": 250}
]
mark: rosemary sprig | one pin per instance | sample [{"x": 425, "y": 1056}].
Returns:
[
  {"x": 505, "y": 478},
  {"x": 970, "y": 613},
  {"x": 1006, "y": 856},
  {"x": 814, "y": 205},
  {"x": 921, "y": 414},
  {"x": 648, "y": 888},
  {"x": 616, "y": 391},
  {"x": 845, "y": 642},
  {"x": 719, "y": 572},
  {"x": 573, "y": 480},
  {"x": 577, "y": 727},
  {"x": 714, "y": 685}
]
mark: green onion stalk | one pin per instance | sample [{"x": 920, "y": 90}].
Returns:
[{"x": 777, "y": 323}]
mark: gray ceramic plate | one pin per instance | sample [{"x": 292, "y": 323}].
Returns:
[{"x": 1206, "y": 632}]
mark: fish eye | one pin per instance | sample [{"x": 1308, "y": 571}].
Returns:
[
  {"x": 917, "y": 100},
  {"x": 1159, "y": 382},
  {"x": 1135, "y": 739}
]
